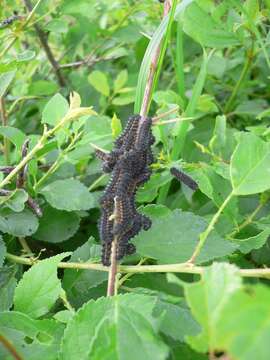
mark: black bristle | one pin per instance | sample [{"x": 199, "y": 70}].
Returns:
[{"x": 130, "y": 249}]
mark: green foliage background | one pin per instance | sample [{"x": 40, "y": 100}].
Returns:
[{"x": 215, "y": 71}]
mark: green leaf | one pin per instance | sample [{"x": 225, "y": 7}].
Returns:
[
  {"x": 203, "y": 181},
  {"x": 154, "y": 210},
  {"x": 217, "y": 66},
  {"x": 206, "y": 104},
  {"x": 207, "y": 299},
  {"x": 202, "y": 28},
  {"x": 173, "y": 238},
  {"x": 15, "y": 201},
  {"x": 182, "y": 127},
  {"x": 20, "y": 224},
  {"x": 251, "y": 108},
  {"x": 56, "y": 226},
  {"x": 5, "y": 80},
  {"x": 182, "y": 351},
  {"x": 120, "y": 80},
  {"x": 150, "y": 190},
  {"x": 118, "y": 326},
  {"x": 218, "y": 140},
  {"x": 123, "y": 100},
  {"x": 100, "y": 82},
  {"x": 249, "y": 165},
  {"x": 57, "y": 26},
  {"x": 26, "y": 55},
  {"x": 55, "y": 110},
  {"x": 98, "y": 131},
  {"x": 263, "y": 114},
  {"x": 33, "y": 339},
  {"x": 42, "y": 88},
  {"x": 69, "y": 195},
  {"x": 221, "y": 190},
  {"x": 254, "y": 242},
  {"x": 63, "y": 316},
  {"x": 16, "y": 136},
  {"x": 39, "y": 287},
  {"x": 243, "y": 330},
  {"x": 116, "y": 126},
  {"x": 252, "y": 10},
  {"x": 3, "y": 251},
  {"x": 80, "y": 284},
  {"x": 7, "y": 287},
  {"x": 177, "y": 330}
]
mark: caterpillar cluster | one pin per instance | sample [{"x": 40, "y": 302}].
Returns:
[
  {"x": 129, "y": 164},
  {"x": 184, "y": 178},
  {"x": 10, "y": 20}
]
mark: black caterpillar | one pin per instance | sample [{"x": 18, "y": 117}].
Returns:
[
  {"x": 129, "y": 164},
  {"x": 187, "y": 180},
  {"x": 10, "y": 20}
]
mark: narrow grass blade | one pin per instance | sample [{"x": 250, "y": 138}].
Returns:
[
  {"x": 152, "y": 47},
  {"x": 184, "y": 125}
]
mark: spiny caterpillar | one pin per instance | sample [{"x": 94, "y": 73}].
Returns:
[
  {"x": 10, "y": 20},
  {"x": 182, "y": 177},
  {"x": 129, "y": 163}
]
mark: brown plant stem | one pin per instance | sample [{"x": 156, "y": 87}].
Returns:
[
  {"x": 10, "y": 347},
  {"x": 111, "y": 289},
  {"x": 4, "y": 123},
  {"x": 164, "y": 114},
  {"x": 153, "y": 67},
  {"x": 44, "y": 43}
]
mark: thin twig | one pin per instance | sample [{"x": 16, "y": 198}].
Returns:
[
  {"x": 111, "y": 289},
  {"x": 248, "y": 220},
  {"x": 129, "y": 275},
  {"x": 204, "y": 235},
  {"x": 113, "y": 270},
  {"x": 248, "y": 63},
  {"x": 25, "y": 246},
  {"x": 43, "y": 40},
  {"x": 162, "y": 115},
  {"x": 96, "y": 147},
  {"x": 183, "y": 268},
  {"x": 71, "y": 115},
  {"x": 57, "y": 163},
  {"x": 170, "y": 121},
  {"x": 4, "y": 119},
  {"x": 22, "y": 27},
  {"x": 89, "y": 61},
  {"x": 10, "y": 347},
  {"x": 96, "y": 183}
]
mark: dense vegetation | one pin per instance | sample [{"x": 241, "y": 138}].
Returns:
[{"x": 71, "y": 74}]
